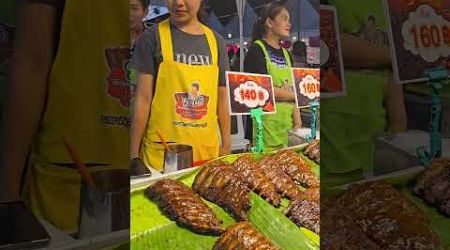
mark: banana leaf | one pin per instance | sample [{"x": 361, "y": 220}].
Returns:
[{"x": 150, "y": 229}]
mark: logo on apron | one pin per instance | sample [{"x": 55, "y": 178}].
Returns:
[
  {"x": 288, "y": 86},
  {"x": 373, "y": 33},
  {"x": 118, "y": 80},
  {"x": 191, "y": 105}
]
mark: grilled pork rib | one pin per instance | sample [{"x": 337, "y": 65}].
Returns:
[
  {"x": 429, "y": 176},
  {"x": 243, "y": 236},
  {"x": 339, "y": 231},
  {"x": 283, "y": 184},
  {"x": 433, "y": 185},
  {"x": 305, "y": 213},
  {"x": 248, "y": 170},
  {"x": 181, "y": 204},
  {"x": 390, "y": 219},
  {"x": 296, "y": 167},
  {"x": 220, "y": 184},
  {"x": 313, "y": 151},
  {"x": 312, "y": 194}
]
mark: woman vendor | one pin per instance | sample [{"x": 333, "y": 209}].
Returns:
[{"x": 266, "y": 56}]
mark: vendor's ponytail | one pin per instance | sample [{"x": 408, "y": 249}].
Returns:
[
  {"x": 259, "y": 29},
  {"x": 270, "y": 11}
]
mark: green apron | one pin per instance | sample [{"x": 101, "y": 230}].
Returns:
[
  {"x": 353, "y": 14},
  {"x": 276, "y": 126},
  {"x": 350, "y": 124}
]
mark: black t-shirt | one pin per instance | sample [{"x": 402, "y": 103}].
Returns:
[
  {"x": 255, "y": 60},
  {"x": 188, "y": 49}
]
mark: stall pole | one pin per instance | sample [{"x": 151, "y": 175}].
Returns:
[{"x": 240, "y": 4}]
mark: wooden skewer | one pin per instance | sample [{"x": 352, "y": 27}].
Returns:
[
  {"x": 164, "y": 142},
  {"x": 84, "y": 171}
]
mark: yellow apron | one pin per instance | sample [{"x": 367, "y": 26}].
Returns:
[
  {"x": 88, "y": 101},
  {"x": 184, "y": 106}
]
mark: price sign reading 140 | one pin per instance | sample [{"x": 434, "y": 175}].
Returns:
[
  {"x": 427, "y": 34},
  {"x": 251, "y": 94}
]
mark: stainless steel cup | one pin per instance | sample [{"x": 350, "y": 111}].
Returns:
[
  {"x": 179, "y": 157},
  {"x": 107, "y": 208}
]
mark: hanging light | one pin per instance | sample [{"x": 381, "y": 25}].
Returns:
[{"x": 230, "y": 35}]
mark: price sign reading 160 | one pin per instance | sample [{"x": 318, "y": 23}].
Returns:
[
  {"x": 426, "y": 33},
  {"x": 311, "y": 88},
  {"x": 419, "y": 37},
  {"x": 427, "y": 36}
]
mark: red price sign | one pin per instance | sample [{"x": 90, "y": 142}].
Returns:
[
  {"x": 331, "y": 63},
  {"x": 419, "y": 36},
  {"x": 311, "y": 88},
  {"x": 251, "y": 94},
  {"x": 249, "y": 91},
  {"x": 307, "y": 85},
  {"x": 427, "y": 36}
]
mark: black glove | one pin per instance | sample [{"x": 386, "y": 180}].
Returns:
[{"x": 137, "y": 167}]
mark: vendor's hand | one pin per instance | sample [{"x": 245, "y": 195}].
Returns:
[
  {"x": 138, "y": 167},
  {"x": 224, "y": 151}
]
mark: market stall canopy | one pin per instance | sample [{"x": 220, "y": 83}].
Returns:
[{"x": 222, "y": 15}]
